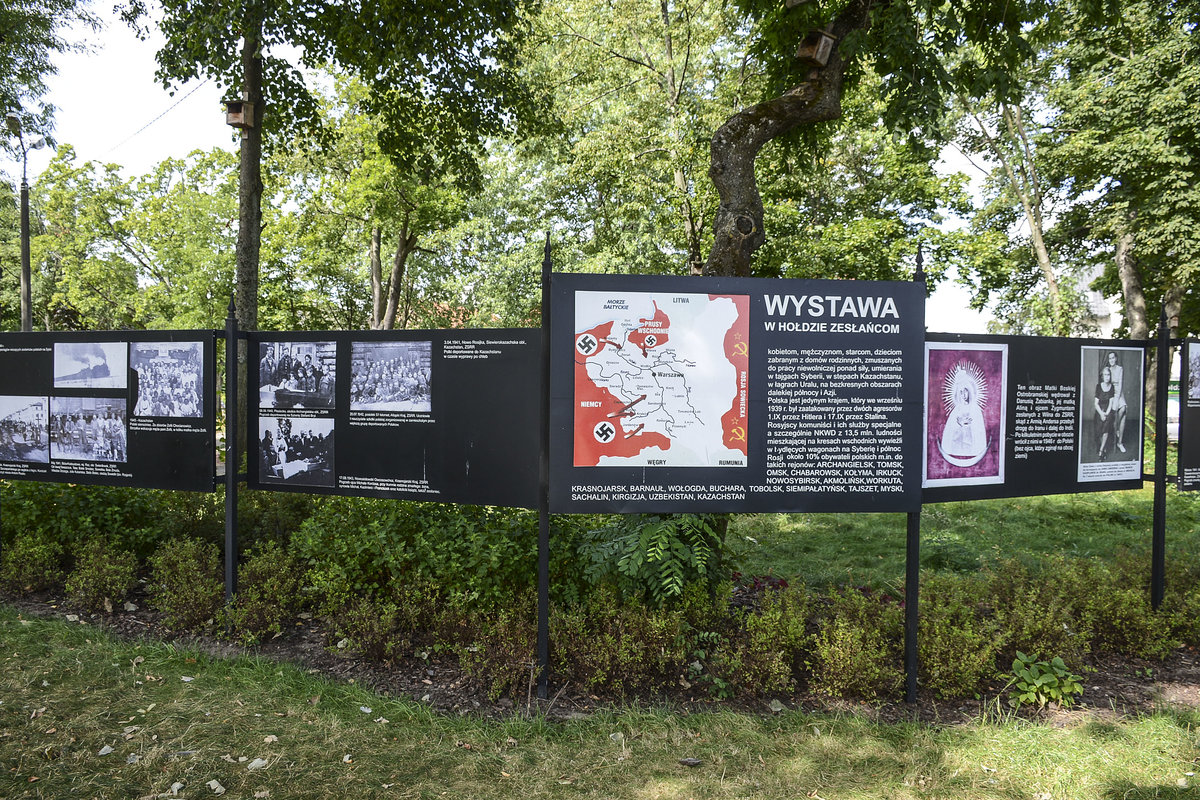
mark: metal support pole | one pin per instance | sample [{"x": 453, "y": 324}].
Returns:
[
  {"x": 912, "y": 571},
  {"x": 912, "y": 581},
  {"x": 232, "y": 457},
  {"x": 1158, "y": 562},
  {"x": 543, "y": 610}
]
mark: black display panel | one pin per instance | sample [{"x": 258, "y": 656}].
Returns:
[
  {"x": 734, "y": 395},
  {"x": 1189, "y": 417},
  {"x": 445, "y": 415},
  {"x": 1015, "y": 416},
  {"x": 113, "y": 408}
]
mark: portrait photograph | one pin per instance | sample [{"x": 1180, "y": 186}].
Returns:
[{"x": 1110, "y": 413}]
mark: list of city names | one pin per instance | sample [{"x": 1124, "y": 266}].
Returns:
[
  {"x": 834, "y": 420},
  {"x": 1044, "y": 419}
]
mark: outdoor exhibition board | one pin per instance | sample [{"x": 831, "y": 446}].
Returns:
[
  {"x": 446, "y": 415},
  {"x": 1011, "y": 416},
  {"x": 115, "y": 408},
  {"x": 734, "y": 394},
  {"x": 1189, "y": 417}
]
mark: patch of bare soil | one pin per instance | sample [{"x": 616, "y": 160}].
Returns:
[{"x": 1113, "y": 686}]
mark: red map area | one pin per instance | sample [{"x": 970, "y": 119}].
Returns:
[
  {"x": 737, "y": 351},
  {"x": 596, "y": 406},
  {"x": 652, "y": 332}
]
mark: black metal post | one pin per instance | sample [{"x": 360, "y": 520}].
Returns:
[
  {"x": 232, "y": 456},
  {"x": 26, "y": 275},
  {"x": 543, "y": 611},
  {"x": 912, "y": 571},
  {"x": 1158, "y": 561}
]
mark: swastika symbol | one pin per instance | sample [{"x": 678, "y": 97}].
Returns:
[
  {"x": 586, "y": 344},
  {"x": 604, "y": 431},
  {"x": 651, "y": 340}
]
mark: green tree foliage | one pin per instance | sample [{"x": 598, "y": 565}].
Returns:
[
  {"x": 31, "y": 32},
  {"x": 10, "y": 258},
  {"x": 1124, "y": 146},
  {"x": 909, "y": 44},
  {"x": 439, "y": 76},
  {"x": 857, "y": 202},
  {"x": 639, "y": 87},
  {"x": 357, "y": 209},
  {"x": 154, "y": 251}
]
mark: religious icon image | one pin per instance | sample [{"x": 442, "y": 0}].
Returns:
[
  {"x": 964, "y": 408},
  {"x": 964, "y": 439}
]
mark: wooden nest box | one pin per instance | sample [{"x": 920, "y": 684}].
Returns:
[
  {"x": 239, "y": 114},
  {"x": 816, "y": 48}
]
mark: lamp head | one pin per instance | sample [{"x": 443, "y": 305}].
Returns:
[{"x": 13, "y": 122}]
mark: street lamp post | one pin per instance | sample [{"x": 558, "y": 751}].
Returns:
[{"x": 14, "y": 126}]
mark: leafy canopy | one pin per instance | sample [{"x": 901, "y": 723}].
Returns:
[{"x": 437, "y": 72}]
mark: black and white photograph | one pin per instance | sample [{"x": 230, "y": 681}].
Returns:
[
  {"x": 296, "y": 450},
  {"x": 88, "y": 429},
  {"x": 1193, "y": 371},
  {"x": 91, "y": 365},
  {"x": 170, "y": 379},
  {"x": 391, "y": 376},
  {"x": 296, "y": 374},
  {"x": 1110, "y": 420},
  {"x": 24, "y": 429}
]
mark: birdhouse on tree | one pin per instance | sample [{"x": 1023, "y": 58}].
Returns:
[
  {"x": 239, "y": 114},
  {"x": 816, "y": 48}
]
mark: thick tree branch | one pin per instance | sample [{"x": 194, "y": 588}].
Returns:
[{"x": 738, "y": 224}]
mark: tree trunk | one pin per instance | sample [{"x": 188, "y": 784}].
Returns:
[
  {"x": 249, "y": 209},
  {"x": 250, "y": 180},
  {"x": 738, "y": 223},
  {"x": 376, "y": 268},
  {"x": 1131, "y": 288},
  {"x": 404, "y": 248}
]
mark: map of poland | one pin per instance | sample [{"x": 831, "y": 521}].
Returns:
[{"x": 661, "y": 379}]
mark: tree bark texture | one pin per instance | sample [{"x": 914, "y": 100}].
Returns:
[
  {"x": 245, "y": 299},
  {"x": 738, "y": 224},
  {"x": 376, "y": 269},
  {"x": 385, "y": 294},
  {"x": 250, "y": 180}
]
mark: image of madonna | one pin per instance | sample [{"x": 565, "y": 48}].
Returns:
[{"x": 964, "y": 415}]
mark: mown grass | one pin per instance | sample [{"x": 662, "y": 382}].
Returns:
[
  {"x": 176, "y": 717},
  {"x": 869, "y": 549}
]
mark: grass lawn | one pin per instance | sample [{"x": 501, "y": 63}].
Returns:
[
  {"x": 868, "y": 549},
  {"x": 84, "y": 715}
]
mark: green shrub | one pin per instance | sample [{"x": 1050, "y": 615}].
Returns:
[
  {"x": 355, "y": 546},
  {"x": 185, "y": 582},
  {"x": 369, "y": 626},
  {"x": 768, "y": 651},
  {"x": 622, "y": 649},
  {"x": 1039, "y": 610},
  {"x": 32, "y": 563},
  {"x": 653, "y": 557},
  {"x": 501, "y": 658},
  {"x": 268, "y": 593},
  {"x": 102, "y": 578},
  {"x": 958, "y": 642},
  {"x": 857, "y": 651}
]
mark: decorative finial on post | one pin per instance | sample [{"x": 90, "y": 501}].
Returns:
[{"x": 919, "y": 275}]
